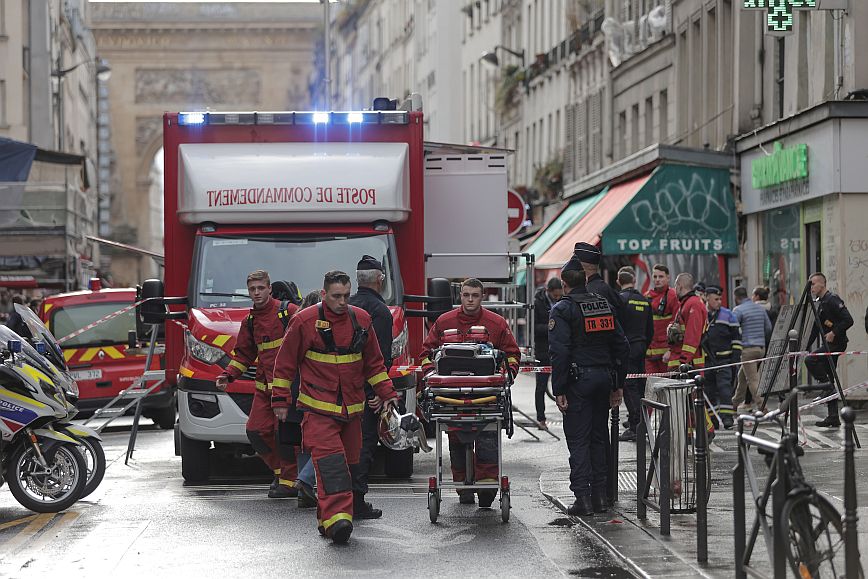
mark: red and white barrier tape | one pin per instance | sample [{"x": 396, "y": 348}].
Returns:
[
  {"x": 108, "y": 317},
  {"x": 102, "y": 320},
  {"x": 805, "y": 354},
  {"x": 834, "y": 396}
]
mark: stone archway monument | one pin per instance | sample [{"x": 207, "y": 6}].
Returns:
[{"x": 169, "y": 56}]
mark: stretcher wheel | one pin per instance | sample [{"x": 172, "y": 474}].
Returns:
[
  {"x": 433, "y": 505},
  {"x": 504, "y": 506}
]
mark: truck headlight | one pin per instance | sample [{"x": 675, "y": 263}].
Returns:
[
  {"x": 202, "y": 351},
  {"x": 399, "y": 343}
]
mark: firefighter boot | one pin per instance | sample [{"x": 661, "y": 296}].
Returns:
[
  {"x": 363, "y": 509},
  {"x": 340, "y": 532},
  {"x": 466, "y": 497},
  {"x": 306, "y": 495},
  {"x": 282, "y": 491}
]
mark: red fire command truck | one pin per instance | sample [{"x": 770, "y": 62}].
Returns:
[
  {"x": 299, "y": 194},
  {"x": 99, "y": 359}
]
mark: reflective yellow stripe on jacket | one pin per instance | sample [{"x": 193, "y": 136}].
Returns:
[
  {"x": 269, "y": 345},
  {"x": 332, "y": 358},
  {"x": 238, "y": 365},
  {"x": 281, "y": 383},
  {"x": 377, "y": 378}
]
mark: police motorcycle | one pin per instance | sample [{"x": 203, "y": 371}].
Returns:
[
  {"x": 88, "y": 440},
  {"x": 45, "y": 471}
]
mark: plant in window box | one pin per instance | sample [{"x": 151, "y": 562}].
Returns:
[{"x": 506, "y": 96}]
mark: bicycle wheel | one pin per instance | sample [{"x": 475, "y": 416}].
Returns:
[{"x": 815, "y": 546}]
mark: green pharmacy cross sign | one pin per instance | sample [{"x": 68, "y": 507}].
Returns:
[{"x": 779, "y": 13}]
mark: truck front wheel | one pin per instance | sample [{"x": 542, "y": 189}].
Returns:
[
  {"x": 195, "y": 459},
  {"x": 398, "y": 463}
]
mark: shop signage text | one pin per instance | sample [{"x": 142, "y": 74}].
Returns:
[
  {"x": 663, "y": 245},
  {"x": 781, "y": 166},
  {"x": 779, "y": 13}
]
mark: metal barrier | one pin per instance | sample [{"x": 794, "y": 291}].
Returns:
[
  {"x": 851, "y": 534},
  {"x": 659, "y": 467},
  {"x": 680, "y": 465}
]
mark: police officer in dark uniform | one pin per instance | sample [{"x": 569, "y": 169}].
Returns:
[
  {"x": 638, "y": 325},
  {"x": 590, "y": 256},
  {"x": 371, "y": 277},
  {"x": 835, "y": 321},
  {"x": 586, "y": 344}
]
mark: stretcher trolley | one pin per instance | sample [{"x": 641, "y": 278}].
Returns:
[{"x": 468, "y": 394}]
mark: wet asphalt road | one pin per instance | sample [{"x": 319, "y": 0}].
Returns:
[{"x": 144, "y": 521}]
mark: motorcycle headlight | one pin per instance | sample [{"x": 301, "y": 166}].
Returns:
[
  {"x": 202, "y": 351},
  {"x": 399, "y": 343}
]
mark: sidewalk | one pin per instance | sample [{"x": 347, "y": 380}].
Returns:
[{"x": 639, "y": 543}]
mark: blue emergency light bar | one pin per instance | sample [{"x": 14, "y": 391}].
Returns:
[{"x": 193, "y": 119}]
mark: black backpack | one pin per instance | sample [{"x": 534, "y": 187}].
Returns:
[{"x": 285, "y": 291}]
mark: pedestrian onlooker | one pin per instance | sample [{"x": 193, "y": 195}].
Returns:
[
  {"x": 835, "y": 321},
  {"x": 761, "y": 296},
  {"x": 638, "y": 326},
  {"x": 722, "y": 344},
  {"x": 543, "y": 301},
  {"x": 756, "y": 328}
]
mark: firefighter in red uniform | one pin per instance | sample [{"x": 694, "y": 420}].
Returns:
[
  {"x": 260, "y": 337},
  {"x": 686, "y": 330},
  {"x": 334, "y": 350},
  {"x": 664, "y": 304},
  {"x": 471, "y": 313}
]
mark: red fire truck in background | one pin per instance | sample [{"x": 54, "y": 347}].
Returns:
[
  {"x": 299, "y": 194},
  {"x": 100, "y": 359}
]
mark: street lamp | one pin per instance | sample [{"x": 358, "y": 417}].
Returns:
[
  {"x": 103, "y": 73},
  {"x": 491, "y": 57}
]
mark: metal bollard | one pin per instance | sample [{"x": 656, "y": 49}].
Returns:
[
  {"x": 614, "y": 432},
  {"x": 641, "y": 433},
  {"x": 738, "y": 506},
  {"x": 793, "y": 337},
  {"x": 850, "y": 518},
  {"x": 700, "y": 455}
]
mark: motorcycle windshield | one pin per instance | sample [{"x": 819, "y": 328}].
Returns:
[
  {"x": 60, "y": 381},
  {"x": 38, "y": 332}
]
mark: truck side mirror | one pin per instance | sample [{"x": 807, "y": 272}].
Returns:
[
  {"x": 152, "y": 312},
  {"x": 440, "y": 297}
]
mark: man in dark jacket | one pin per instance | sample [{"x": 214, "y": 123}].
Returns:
[
  {"x": 543, "y": 301},
  {"x": 638, "y": 326},
  {"x": 371, "y": 276},
  {"x": 835, "y": 320}
]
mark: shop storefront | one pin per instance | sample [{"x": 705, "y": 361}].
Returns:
[
  {"x": 804, "y": 195},
  {"x": 668, "y": 205}
]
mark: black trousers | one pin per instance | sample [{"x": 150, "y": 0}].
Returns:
[
  {"x": 822, "y": 369},
  {"x": 634, "y": 388},
  {"x": 361, "y": 470},
  {"x": 542, "y": 382},
  {"x": 586, "y": 431}
]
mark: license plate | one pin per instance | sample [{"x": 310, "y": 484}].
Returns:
[{"x": 86, "y": 375}]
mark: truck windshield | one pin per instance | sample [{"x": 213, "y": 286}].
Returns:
[
  {"x": 65, "y": 320},
  {"x": 222, "y": 263}
]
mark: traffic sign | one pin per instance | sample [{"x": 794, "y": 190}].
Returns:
[{"x": 515, "y": 211}]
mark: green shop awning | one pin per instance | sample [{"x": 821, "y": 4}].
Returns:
[
  {"x": 680, "y": 209},
  {"x": 562, "y": 223}
]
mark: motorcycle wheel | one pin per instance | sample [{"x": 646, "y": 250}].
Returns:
[
  {"x": 47, "y": 491},
  {"x": 94, "y": 458}
]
